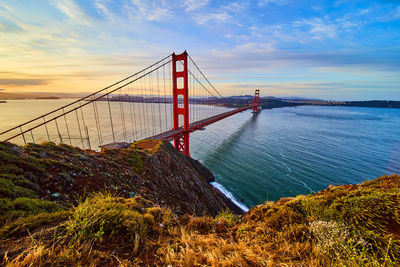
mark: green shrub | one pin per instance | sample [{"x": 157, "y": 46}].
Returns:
[
  {"x": 228, "y": 216},
  {"x": 7, "y": 187},
  {"x": 20, "y": 180},
  {"x": 29, "y": 223},
  {"x": 35, "y": 206},
  {"x": 371, "y": 210},
  {"x": 136, "y": 161},
  {"x": 6, "y": 205},
  {"x": 103, "y": 216},
  {"x": 24, "y": 192}
]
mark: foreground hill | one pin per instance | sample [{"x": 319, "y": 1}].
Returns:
[{"x": 54, "y": 211}]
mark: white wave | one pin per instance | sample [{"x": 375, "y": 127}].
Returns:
[{"x": 229, "y": 195}]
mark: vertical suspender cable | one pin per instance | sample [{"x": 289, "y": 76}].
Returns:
[
  {"x": 79, "y": 127},
  {"x": 111, "y": 120},
  {"x": 165, "y": 100},
  {"x": 131, "y": 109},
  {"x": 159, "y": 100}
]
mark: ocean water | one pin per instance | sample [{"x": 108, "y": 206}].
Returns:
[
  {"x": 279, "y": 152},
  {"x": 298, "y": 150}
]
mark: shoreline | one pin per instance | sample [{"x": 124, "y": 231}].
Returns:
[{"x": 230, "y": 196}]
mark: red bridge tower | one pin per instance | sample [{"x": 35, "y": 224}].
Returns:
[
  {"x": 180, "y": 101},
  {"x": 256, "y": 104}
]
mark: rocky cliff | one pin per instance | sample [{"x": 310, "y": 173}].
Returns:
[{"x": 151, "y": 169}]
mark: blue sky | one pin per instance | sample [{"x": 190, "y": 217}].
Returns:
[{"x": 325, "y": 49}]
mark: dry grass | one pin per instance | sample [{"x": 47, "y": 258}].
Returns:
[{"x": 312, "y": 230}]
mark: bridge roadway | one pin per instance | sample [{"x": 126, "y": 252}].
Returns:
[{"x": 198, "y": 125}]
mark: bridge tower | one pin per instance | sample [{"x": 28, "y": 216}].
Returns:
[
  {"x": 180, "y": 101},
  {"x": 256, "y": 104}
]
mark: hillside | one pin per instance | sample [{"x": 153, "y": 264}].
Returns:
[
  {"x": 149, "y": 205},
  {"x": 272, "y": 102}
]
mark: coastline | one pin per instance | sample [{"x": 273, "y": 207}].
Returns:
[{"x": 230, "y": 196}]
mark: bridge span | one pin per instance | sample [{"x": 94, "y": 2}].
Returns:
[{"x": 166, "y": 101}]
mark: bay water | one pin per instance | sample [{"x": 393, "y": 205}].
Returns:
[{"x": 279, "y": 152}]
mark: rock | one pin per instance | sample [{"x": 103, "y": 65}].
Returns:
[
  {"x": 114, "y": 146},
  {"x": 157, "y": 172},
  {"x": 83, "y": 158}
]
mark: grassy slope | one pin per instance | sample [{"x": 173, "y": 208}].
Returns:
[
  {"x": 342, "y": 225},
  {"x": 347, "y": 225}
]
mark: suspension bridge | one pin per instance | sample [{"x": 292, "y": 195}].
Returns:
[{"x": 166, "y": 101}]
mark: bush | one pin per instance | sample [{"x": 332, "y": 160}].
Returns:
[
  {"x": 227, "y": 216},
  {"x": 22, "y": 225},
  {"x": 103, "y": 216},
  {"x": 372, "y": 212},
  {"x": 7, "y": 187},
  {"x": 34, "y": 206},
  {"x": 136, "y": 161}
]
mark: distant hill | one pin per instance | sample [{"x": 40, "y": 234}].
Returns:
[
  {"x": 369, "y": 103},
  {"x": 299, "y": 98},
  {"x": 13, "y": 96},
  {"x": 273, "y": 102}
]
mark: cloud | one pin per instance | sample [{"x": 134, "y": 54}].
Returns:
[
  {"x": 391, "y": 15},
  {"x": 220, "y": 17},
  {"x": 191, "y": 5},
  {"x": 7, "y": 8},
  {"x": 236, "y": 7},
  {"x": 9, "y": 26},
  {"x": 149, "y": 10},
  {"x": 91, "y": 43},
  {"x": 2, "y": 89},
  {"x": 22, "y": 82},
  {"x": 72, "y": 11},
  {"x": 264, "y": 57},
  {"x": 276, "y": 2},
  {"x": 101, "y": 5},
  {"x": 318, "y": 28},
  {"x": 327, "y": 89}
]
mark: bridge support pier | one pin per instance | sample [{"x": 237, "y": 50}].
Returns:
[{"x": 180, "y": 101}]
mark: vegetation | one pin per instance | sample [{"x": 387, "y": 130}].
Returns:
[
  {"x": 342, "y": 225},
  {"x": 136, "y": 161},
  {"x": 148, "y": 145}
]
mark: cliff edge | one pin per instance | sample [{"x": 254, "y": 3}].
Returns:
[{"x": 152, "y": 169}]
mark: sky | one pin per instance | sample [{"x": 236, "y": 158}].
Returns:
[{"x": 337, "y": 50}]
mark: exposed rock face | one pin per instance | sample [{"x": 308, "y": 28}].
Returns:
[
  {"x": 182, "y": 183},
  {"x": 154, "y": 170}
]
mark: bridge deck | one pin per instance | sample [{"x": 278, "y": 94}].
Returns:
[{"x": 198, "y": 124}]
